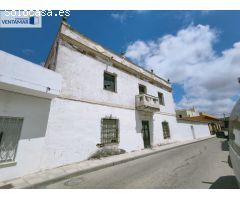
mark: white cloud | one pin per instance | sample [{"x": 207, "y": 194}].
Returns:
[
  {"x": 188, "y": 58},
  {"x": 119, "y": 16},
  {"x": 28, "y": 52}
]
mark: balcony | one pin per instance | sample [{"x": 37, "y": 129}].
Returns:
[{"x": 145, "y": 102}]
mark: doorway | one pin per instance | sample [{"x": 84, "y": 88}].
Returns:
[{"x": 146, "y": 134}]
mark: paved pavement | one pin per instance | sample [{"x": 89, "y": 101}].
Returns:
[
  {"x": 199, "y": 165},
  {"x": 71, "y": 170}
]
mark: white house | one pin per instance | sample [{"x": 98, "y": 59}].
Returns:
[{"x": 86, "y": 98}]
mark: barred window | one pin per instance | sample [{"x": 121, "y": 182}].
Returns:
[
  {"x": 10, "y": 129},
  {"x": 166, "y": 130},
  {"x": 109, "y": 133}
]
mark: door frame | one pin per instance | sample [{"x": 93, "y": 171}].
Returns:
[{"x": 146, "y": 141}]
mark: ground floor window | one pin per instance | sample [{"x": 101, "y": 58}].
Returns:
[
  {"x": 109, "y": 132},
  {"x": 10, "y": 129},
  {"x": 166, "y": 130}
]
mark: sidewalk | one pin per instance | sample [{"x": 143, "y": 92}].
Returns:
[{"x": 68, "y": 171}]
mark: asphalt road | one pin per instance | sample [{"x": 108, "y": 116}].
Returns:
[{"x": 200, "y": 165}]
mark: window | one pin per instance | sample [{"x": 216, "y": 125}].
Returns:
[
  {"x": 161, "y": 98},
  {"x": 10, "y": 129},
  {"x": 109, "y": 82},
  {"x": 142, "y": 89},
  {"x": 166, "y": 130},
  {"x": 109, "y": 134}
]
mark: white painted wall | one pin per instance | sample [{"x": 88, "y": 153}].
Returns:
[
  {"x": 31, "y": 146},
  {"x": 184, "y": 131},
  {"x": 83, "y": 78},
  {"x": 74, "y": 130},
  {"x": 22, "y": 76}
]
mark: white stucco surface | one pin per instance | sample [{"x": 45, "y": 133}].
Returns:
[
  {"x": 31, "y": 145},
  {"x": 185, "y": 132},
  {"x": 22, "y": 76},
  {"x": 83, "y": 78}
]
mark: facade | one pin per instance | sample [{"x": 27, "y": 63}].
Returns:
[
  {"x": 86, "y": 98},
  {"x": 100, "y": 87}
]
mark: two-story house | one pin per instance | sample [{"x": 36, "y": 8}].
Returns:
[
  {"x": 105, "y": 100},
  {"x": 86, "y": 99}
]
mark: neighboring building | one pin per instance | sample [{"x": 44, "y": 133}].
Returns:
[
  {"x": 26, "y": 91},
  {"x": 187, "y": 113},
  {"x": 105, "y": 102},
  {"x": 213, "y": 122}
]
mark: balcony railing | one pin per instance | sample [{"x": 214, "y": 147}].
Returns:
[{"x": 147, "y": 102}]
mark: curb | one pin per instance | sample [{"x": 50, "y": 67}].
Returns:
[{"x": 91, "y": 169}]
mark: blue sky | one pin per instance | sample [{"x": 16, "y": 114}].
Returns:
[{"x": 120, "y": 30}]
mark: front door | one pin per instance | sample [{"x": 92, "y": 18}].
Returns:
[{"x": 146, "y": 134}]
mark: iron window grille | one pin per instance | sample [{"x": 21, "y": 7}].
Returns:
[
  {"x": 109, "y": 132},
  {"x": 166, "y": 130},
  {"x": 10, "y": 129},
  {"x": 109, "y": 82}
]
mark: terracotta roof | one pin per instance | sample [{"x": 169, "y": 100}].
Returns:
[{"x": 201, "y": 118}]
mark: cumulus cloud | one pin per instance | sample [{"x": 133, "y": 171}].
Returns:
[{"x": 209, "y": 80}]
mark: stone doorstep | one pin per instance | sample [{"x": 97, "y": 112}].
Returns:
[{"x": 91, "y": 165}]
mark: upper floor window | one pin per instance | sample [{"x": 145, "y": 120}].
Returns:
[
  {"x": 10, "y": 129},
  {"x": 142, "y": 89},
  {"x": 109, "y": 82},
  {"x": 161, "y": 98},
  {"x": 109, "y": 133}
]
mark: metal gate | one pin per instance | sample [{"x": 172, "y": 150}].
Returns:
[{"x": 10, "y": 129}]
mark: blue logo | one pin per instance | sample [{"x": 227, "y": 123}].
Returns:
[
  {"x": 33, "y": 20},
  {"x": 21, "y": 20}
]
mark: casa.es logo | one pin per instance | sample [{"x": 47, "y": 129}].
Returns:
[{"x": 20, "y": 19}]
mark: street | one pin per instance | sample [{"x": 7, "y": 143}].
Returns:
[{"x": 203, "y": 164}]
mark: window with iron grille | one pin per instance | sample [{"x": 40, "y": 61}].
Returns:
[
  {"x": 109, "y": 133},
  {"x": 166, "y": 130},
  {"x": 161, "y": 98},
  {"x": 109, "y": 82},
  {"x": 10, "y": 129}
]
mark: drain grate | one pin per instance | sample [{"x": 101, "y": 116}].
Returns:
[{"x": 74, "y": 181}]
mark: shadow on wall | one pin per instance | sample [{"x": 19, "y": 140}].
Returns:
[
  {"x": 225, "y": 182},
  {"x": 138, "y": 122},
  {"x": 35, "y": 123},
  {"x": 33, "y": 110},
  {"x": 224, "y": 145}
]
